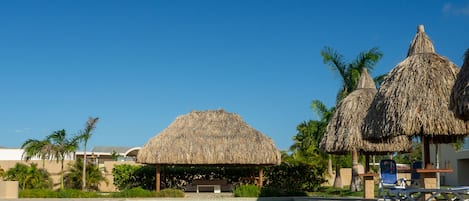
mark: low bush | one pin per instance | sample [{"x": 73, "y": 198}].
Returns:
[
  {"x": 140, "y": 192},
  {"x": 134, "y": 192},
  {"x": 37, "y": 193},
  {"x": 246, "y": 191},
  {"x": 171, "y": 193},
  {"x": 75, "y": 193},
  {"x": 48, "y": 193}
]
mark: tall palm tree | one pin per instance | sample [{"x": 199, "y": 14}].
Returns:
[
  {"x": 85, "y": 135},
  {"x": 61, "y": 147},
  {"x": 350, "y": 74},
  {"x": 36, "y": 148}
]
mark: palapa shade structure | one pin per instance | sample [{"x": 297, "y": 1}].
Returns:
[
  {"x": 212, "y": 137},
  {"x": 344, "y": 131},
  {"x": 413, "y": 99},
  {"x": 460, "y": 94}
]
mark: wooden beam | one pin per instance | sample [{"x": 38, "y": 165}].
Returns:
[
  {"x": 158, "y": 178},
  {"x": 367, "y": 163},
  {"x": 261, "y": 176},
  {"x": 426, "y": 152}
]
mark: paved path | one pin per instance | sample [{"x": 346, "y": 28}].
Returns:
[
  {"x": 192, "y": 197},
  {"x": 187, "y": 199}
]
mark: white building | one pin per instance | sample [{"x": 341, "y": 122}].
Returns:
[{"x": 458, "y": 161}]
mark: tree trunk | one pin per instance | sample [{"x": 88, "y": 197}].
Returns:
[
  {"x": 338, "y": 179},
  {"x": 329, "y": 166},
  {"x": 62, "y": 173},
  {"x": 83, "y": 176},
  {"x": 355, "y": 184}
]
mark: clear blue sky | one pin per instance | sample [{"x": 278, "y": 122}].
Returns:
[{"x": 139, "y": 64}]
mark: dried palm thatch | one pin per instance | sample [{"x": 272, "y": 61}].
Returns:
[
  {"x": 212, "y": 137},
  {"x": 460, "y": 94},
  {"x": 414, "y": 98},
  {"x": 344, "y": 131}
]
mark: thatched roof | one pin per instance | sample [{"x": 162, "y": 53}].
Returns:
[
  {"x": 460, "y": 94},
  {"x": 414, "y": 98},
  {"x": 344, "y": 131},
  {"x": 212, "y": 137}
]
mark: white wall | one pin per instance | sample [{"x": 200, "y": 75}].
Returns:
[
  {"x": 10, "y": 154},
  {"x": 7, "y": 154},
  {"x": 457, "y": 160}
]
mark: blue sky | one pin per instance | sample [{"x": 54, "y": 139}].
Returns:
[{"x": 139, "y": 64}]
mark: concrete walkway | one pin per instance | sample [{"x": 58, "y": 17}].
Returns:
[
  {"x": 188, "y": 199},
  {"x": 192, "y": 197}
]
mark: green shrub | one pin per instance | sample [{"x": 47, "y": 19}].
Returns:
[
  {"x": 134, "y": 192},
  {"x": 247, "y": 191},
  {"x": 74, "y": 178},
  {"x": 75, "y": 193},
  {"x": 28, "y": 176},
  {"x": 48, "y": 193},
  {"x": 37, "y": 193},
  {"x": 170, "y": 193},
  {"x": 130, "y": 176},
  {"x": 295, "y": 177}
]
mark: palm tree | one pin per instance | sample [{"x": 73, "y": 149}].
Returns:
[
  {"x": 350, "y": 73},
  {"x": 74, "y": 177},
  {"x": 61, "y": 147},
  {"x": 36, "y": 148},
  {"x": 85, "y": 136}
]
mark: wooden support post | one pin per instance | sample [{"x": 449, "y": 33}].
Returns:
[
  {"x": 426, "y": 153},
  {"x": 158, "y": 178},
  {"x": 261, "y": 176},
  {"x": 367, "y": 163}
]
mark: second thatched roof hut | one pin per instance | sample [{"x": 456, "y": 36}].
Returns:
[
  {"x": 414, "y": 99},
  {"x": 460, "y": 94},
  {"x": 344, "y": 131}
]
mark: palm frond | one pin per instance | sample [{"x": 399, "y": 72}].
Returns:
[
  {"x": 334, "y": 60},
  {"x": 367, "y": 59}
]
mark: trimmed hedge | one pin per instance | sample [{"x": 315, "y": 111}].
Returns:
[{"x": 73, "y": 193}]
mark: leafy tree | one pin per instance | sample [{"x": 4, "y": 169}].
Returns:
[
  {"x": 75, "y": 180},
  {"x": 350, "y": 74},
  {"x": 85, "y": 135},
  {"x": 296, "y": 173},
  {"x": 114, "y": 155},
  {"x": 29, "y": 177},
  {"x": 414, "y": 155},
  {"x": 61, "y": 147},
  {"x": 324, "y": 115},
  {"x": 124, "y": 177},
  {"x": 37, "y": 148}
]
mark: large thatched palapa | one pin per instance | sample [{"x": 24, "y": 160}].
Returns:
[
  {"x": 344, "y": 131},
  {"x": 414, "y": 99},
  {"x": 460, "y": 94},
  {"x": 212, "y": 137}
]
